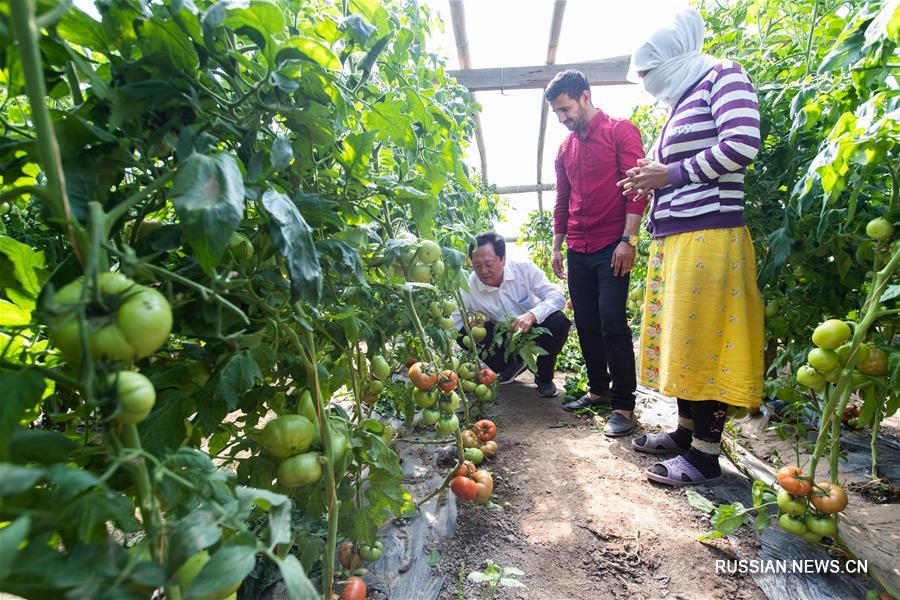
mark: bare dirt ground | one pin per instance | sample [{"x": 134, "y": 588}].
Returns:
[{"x": 575, "y": 513}]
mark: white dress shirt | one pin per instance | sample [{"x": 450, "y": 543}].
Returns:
[{"x": 524, "y": 288}]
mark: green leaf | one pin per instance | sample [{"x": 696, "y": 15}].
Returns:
[
  {"x": 263, "y": 16},
  {"x": 41, "y": 446},
  {"x": 240, "y": 374},
  {"x": 433, "y": 558},
  {"x": 393, "y": 124},
  {"x": 510, "y": 582},
  {"x": 22, "y": 283},
  {"x": 758, "y": 490},
  {"x": 311, "y": 49},
  {"x": 292, "y": 237},
  {"x": 726, "y": 519},
  {"x": 226, "y": 568},
  {"x": 76, "y": 27},
  {"x": 282, "y": 153},
  {"x": 277, "y": 505},
  {"x": 512, "y": 571},
  {"x": 298, "y": 585},
  {"x": 368, "y": 61},
  {"x": 892, "y": 292},
  {"x": 699, "y": 502},
  {"x": 11, "y": 537},
  {"x": 163, "y": 41},
  {"x": 208, "y": 195},
  {"x": 478, "y": 577},
  {"x": 164, "y": 430},
  {"x": 15, "y": 480},
  {"x": 195, "y": 532},
  {"x": 22, "y": 390},
  {"x": 361, "y": 29}
]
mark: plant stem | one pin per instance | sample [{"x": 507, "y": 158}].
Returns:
[
  {"x": 809, "y": 40},
  {"x": 25, "y": 31},
  {"x": 123, "y": 207}
]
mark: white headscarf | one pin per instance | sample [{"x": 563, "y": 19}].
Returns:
[{"x": 672, "y": 58}]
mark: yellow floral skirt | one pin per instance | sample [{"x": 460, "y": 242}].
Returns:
[{"x": 702, "y": 324}]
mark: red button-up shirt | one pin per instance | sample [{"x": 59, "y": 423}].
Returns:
[{"x": 590, "y": 209}]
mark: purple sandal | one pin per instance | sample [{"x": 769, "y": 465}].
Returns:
[
  {"x": 680, "y": 472},
  {"x": 657, "y": 443}
]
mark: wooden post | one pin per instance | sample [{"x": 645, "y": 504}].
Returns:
[{"x": 458, "y": 19}]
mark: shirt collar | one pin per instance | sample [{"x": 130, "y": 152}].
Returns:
[
  {"x": 599, "y": 118},
  {"x": 508, "y": 275}
]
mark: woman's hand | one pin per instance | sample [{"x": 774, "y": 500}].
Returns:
[{"x": 647, "y": 176}]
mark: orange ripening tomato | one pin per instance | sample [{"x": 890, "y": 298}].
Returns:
[
  {"x": 354, "y": 589},
  {"x": 485, "y": 430},
  {"x": 447, "y": 381},
  {"x": 464, "y": 488},
  {"x": 486, "y": 376},
  {"x": 423, "y": 376},
  {"x": 828, "y": 497},
  {"x": 791, "y": 479}
]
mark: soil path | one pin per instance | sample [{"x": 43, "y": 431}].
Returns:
[{"x": 576, "y": 514}]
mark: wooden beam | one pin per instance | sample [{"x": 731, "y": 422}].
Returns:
[
  {"x": 525, "y": 189},
  {"x": 458, "y": 19},
  {"x": 608, "y": 71},
  {"x": 559, "y": 8}
]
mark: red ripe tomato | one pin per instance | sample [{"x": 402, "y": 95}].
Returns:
[
  {"x": 485, "y": 430},
  {"x": 464, "y": 488},
  {"x": 466, "y": 470},
  {"x": 422, "y": 376},
  {"x": 828, "y": 497},
  {"x": 791, "y": 479},
  {"x": 486, "y": 376},
  {"x": 447, "y": 381},
  {"x": 484, "y": 486},
  {"x": 355, "y": 589}
]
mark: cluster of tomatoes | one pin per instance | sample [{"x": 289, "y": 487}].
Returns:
[
  {"x": 808, "y": 510},
  {"x": 834, "y": 351},
  {"x": 118, "y": 324},
  {"x": 477, "y": 329},
  {"x": 296, "y": 440},
  {"x": 479, "y": 442},
  {"x": 422, "y": 259},
  {"x": 353, "y": 555},
  {"x": 435, "y": 392},
  {"x": 469, "y": 482}
]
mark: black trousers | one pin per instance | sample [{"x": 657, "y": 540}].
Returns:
[
  {"x": 598, "y": 299},
  {"x": 558, "y": 326}
]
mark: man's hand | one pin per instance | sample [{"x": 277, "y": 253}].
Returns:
[
  {"x": 623, "y": 259},
  {"x": 523, "y": 322},
  {"x": 559, "y": 268},
  {"x": 647, "y": 176}
]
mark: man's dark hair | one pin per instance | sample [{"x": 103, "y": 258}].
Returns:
[
  {"x": 569, "y": 82},
  {"x": 489, "y": 237}
]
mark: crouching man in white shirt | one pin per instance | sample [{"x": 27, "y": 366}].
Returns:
[{"x": 517, "y": 291}]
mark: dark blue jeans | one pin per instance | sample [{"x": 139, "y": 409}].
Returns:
[{"x": 598, "y": 299}]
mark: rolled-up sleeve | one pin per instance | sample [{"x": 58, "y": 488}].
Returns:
[{"x": 551, "y": 296}]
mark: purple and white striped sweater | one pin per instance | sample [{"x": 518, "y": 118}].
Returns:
[{"x": 707, "y": 142}]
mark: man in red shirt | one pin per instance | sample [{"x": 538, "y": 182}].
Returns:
[{"x": 599, "y": 225}]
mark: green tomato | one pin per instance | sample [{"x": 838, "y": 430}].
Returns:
[
  {"x": 466, "y": 371},
  {"x": 134, "y": 394},
  {"x": 772, "y": 308},
  {"x": 240, "y": 246},
  {"x": 823, "y": 361},
  {"x": 188, "y": 571},
  {"x": 449, "y": 403},
  {"x": 288, "y": 435},
  {"x": 880, "y": 229},
  {"x": 790, "y": 505},
  {"x": 307, "y": 408},
  {"x": 469, "y": 386},
  {"x": 371, "y": 553},
  {"x": 467, "y": 342},
  {"x": 4, "y": 208},
  {"x": 809, "y": 377},
  {"x": 843, "y": 352},
  {"x": 454, "y": 364},
  {"x": 131, "y": 321},
  {"x": 429, "y": 252},
  {"x": 447, "y": 324},
  {"x": 430, "y": 416},
  {"x": 820, "y": 525},
  {"x": 812, "y": 538},
  {"x": 479, "y": 333},
  {"x": 375, "y": 387},
  {"x": 449, "y": 307},
  {"x": 425, "y": 399},
  {"x": 474, "y": 455},
  {"x": 831, "y": 334},
  {"x": 380, "y": 367},
  {"x": 420, "y": 273},
  {"x": 875, "y": 363},
  {"x": 302, "y": 469},
  {"x": 436, "y": 309},
  {"x": 438, "y": 268},
  {"x": 446, "y": 425},
  {"x": 482, "y": 392},
  {"x": 792, "y": 524}
]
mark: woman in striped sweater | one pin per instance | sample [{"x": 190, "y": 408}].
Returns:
[{"x": 702, "y": 327}]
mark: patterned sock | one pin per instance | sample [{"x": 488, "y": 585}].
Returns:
[
  {"x": 705, "y": 458},
  {"x": 684, "y": 433}
]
